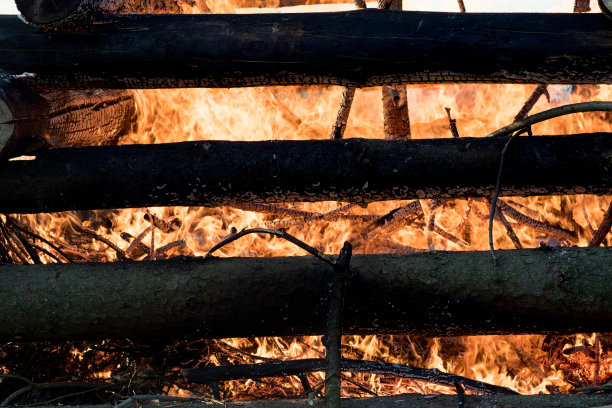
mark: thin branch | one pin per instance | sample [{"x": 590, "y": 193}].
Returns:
[
  {"x": 273, "y": 209},
  {"x": 586, "y": 216},
  {"x": 468, "y": 210},
  {"x": 13, "y": 224},
  {"x": 511, "y": 234},
  {"x": 461, "y": 6},
  {"x": 395, "y": 218},
  {"x": 163, "y": 249},
  {"x": 206, "y": 375},
  {"x": 345, "y": 108},
  {"x": 595, "y": 106},
  {"x": 452, "y": 123},
  {"x": 152, "y": 247},
  {"x": 537, "y": 225},
  {"x": 121, "y": 254},
  {"x": 603, "y": 229},
  {"x": 276, "y": 233},
  {"x": 136, "y": 242},
  {"x": 540, "y": 90}
]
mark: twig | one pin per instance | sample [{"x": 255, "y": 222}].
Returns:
[
  {"x": 120, "y": 252},
  {"x": 447, "y": 235},
  {"x": 360, "y": 4},
  {"x": 461, "y": 6},
  {"x": 582, "y": 6},
  {"x": 511, "y": 234},
  {"x": 586, "y": 217},
  {"x": 163, "y": 224},
  {"x": 163, "y": 249},
  {"x": 276, "y": 233},
  {"x": 452, "y": 123},
  {"x": 535, "y": 224},
  {"x": 152, "y": 248},
  {"x": 541, "y": 89},
  {"x": 394, "y": 218},
  {"x": 595, "y": 106},
  {"x": 137, "y": 241},
  {"x": 139, "y": 250},
  {"x": 495, "y": 197},
  {"x": 345, "y": 107},
  {"x": 603, "y": 229},
  {"x": 205, "y": 375},
  {"x": 333, "y": 338},
  {"x": 468, "y": 210},
  {"x": 14, "y": 224},
  {"x": 272, "y": 209}
]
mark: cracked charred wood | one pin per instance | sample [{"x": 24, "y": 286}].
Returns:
[
  {"x": 560, "y": 290},
  {"x": 358, "y": 48},
  {"x": 60, "y": 118},
  {"x": 352, "y": 170}
]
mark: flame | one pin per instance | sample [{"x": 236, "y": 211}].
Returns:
[{"x": 302, "y": 113}]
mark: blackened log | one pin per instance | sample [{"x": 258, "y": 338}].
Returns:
[
  {"x": 560, "y": 290},
  {"x": 410, "y": 400},
  {"x": 357, "y": 48},
  {"x": 213, "y": 173},
  {"x": 60, "y": 118}
]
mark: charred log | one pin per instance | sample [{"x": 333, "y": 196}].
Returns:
[
  {"x": 30, "y": 120},
  {"x": 435, "y": 294},
  {"x": 358, "y": 48},
  {"x": 418, "y": 401},
  {"x": 353, "y": 170}
]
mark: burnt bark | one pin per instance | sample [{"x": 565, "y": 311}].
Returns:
[
  {"x": 417, "y": 401},
  {"x": 60, "y": 118},
  {"x": 560, "y": 290},
  {"x": 353, "y": 170},
  {"x": 358, "y": 48}
]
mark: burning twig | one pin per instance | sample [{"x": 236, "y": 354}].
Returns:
[
  {"x": 333, "y": 339},
  {"x": 167, "y": 225},
  {"x": 511, "y": 234},
  {"x": 345, "y": 108},
  {"x": 273, "y": 209},
  {"x": 541, "y": 89},
  {"x": 334, "y": 215},
  {"x": 152, "y": 248},
  {"x": 594, "y": 106},
  {"x": 13, "y": 224},
  {"x": 276, "y": 233},
  {"x": 535, "y": 224},
  {"x": 137, "y": 242},
  {"x": 468, "y": 210},
  {"x": 586, "y": 217},
  {"x": 395, "y": 219},
  {"x": 452, "y": 123},
  {"x": 207, "y": 375},
  {"x": 163, "y": 249},
  {"x": 121, "y": 254},
  {"x": 603, "y": 229},
  {"x": 140, "y": 248}
]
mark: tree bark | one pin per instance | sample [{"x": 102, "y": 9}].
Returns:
[
  {"x": 415, "y": 401},
  {"x": 30, "y": 120},
  {"x": 560, "y": 290},
  {"x": 358, "y": 48},
  {"x": 353, "y": 170}
]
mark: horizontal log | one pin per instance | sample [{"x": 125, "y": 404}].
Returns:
[
  {"x": 559, "y": 290},
  {"x": 357, "y": 48},
  {"x": 412, "y": 401},
  {"x": 61, "y": 118},
  {"x": 213, "y": 173}
]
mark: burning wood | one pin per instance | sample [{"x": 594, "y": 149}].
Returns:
[
  {"x": 323, "y": 48},
  {"x": 31, "y": 120},
  {"x": 354, "y": 170}
]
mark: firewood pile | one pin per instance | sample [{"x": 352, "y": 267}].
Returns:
[{"x": 143, "y": 266}]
